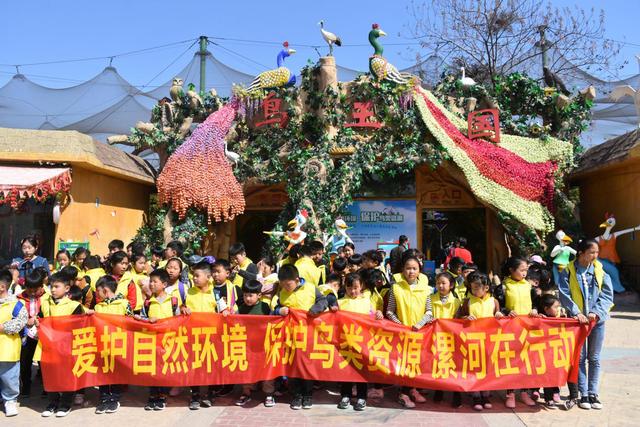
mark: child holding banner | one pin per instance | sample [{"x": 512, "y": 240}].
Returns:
[
  {"x": 410, "y": 305},
  {"x": 30, "y": 298},
  {"x": 445, "y": 306},
  {"x": 253, "y": 305},
  {"x": 119, "y": 263},
  {"x": 111, "y": 302},
  {"x": 159, "y": 306},
  {"x": 58, "y": 304},
  {"x": 201, "y": 299},
  {"x": 177, "y": 287},
  {"x": 296, "y": 294},
  {"x": 355, "y": 302},
  {"x": 13, "y": 318},
  {"x": 478, "y": 305},
  {"x": 518, "y": 302}
]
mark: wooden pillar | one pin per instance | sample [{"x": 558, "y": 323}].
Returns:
[{"x": 328, "y": 77}]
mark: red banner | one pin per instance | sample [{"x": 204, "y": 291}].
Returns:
[{"x": 208, "y": 349}]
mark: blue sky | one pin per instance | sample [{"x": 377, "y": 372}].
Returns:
[{"x": 36, "y": 31}]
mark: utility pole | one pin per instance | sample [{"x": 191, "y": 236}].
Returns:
[
  {"x": 543, "y": 45},
  {"x": 203, "y": 64}
]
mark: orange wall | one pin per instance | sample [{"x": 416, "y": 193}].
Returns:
[
  {"x": 616, "y": 191},
  {"x": 118, "y": 216}
]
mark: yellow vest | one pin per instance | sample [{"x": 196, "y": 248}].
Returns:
[
  {"x": 94, "y": 274},
  {"x": 163, "y": 263},
  {"x": 238, "y": 279},
  {"x": 10, "y": 345},
  {"x": 518, "y": 296},
  {"x": 123, "y": 288},
  {"x": 271, "y": 279},
  {"x": 160, "y": 310},
  {"x": 78, "y": 266},
  {"x": 482, "y": 307},
  {"x": 447, "y": 310},
  {"x": 308, "y": 271},
  {"x": 301, "y": 298},
  {"x": 232, "y": 297},
  {"x": 360, "y": 305},
  {"x": 410, "y": 302},
  {"x": 64, "y": 307},
  {"x": 201, "y": 302},
  {"x": 422, "y": 278},
  {"x": 574, "y": 286},
  {"x": 326, "y": 290},
  {"x": 322, "y": 273},
  {"x": 377, "y": 298},
  {"x": 118, "y": 306}
]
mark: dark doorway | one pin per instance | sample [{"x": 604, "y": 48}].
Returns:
[
  {"x": 442, "y": 227},
  {"x": 249, "y": 231},
  {"x": 32, "y": 218}
]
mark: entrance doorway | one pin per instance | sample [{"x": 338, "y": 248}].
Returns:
[
  {"x": 440, "y": 228},
  {"x": 249, "y": 231},
  {"x": 32, "y": 218}
]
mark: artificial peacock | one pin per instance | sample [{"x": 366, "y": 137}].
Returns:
[
  {"x": 279, "y": 77},
  {"x": 380, "y": 68}
]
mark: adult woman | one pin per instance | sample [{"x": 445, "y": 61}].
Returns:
[
  {"x": 29, "y": 261},
  {"x": 587, "y": 293}
]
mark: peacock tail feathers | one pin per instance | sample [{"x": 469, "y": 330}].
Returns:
[
  {"x": 270, "y": 79},
  {"x": 383, "y": 70}
]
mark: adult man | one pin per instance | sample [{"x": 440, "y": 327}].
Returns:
[{"x": 395, "y": 257}]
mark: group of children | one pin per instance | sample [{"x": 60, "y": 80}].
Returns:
[{"x": 165, "y": 285}]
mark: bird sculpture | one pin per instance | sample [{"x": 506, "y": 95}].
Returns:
[
  {"x": 466, "y": 81},
  {"x": 278, "y": 77},
  {"x": 379, "y": 67},
  {"x": 608, "y": 254},
  {"x": 339, "y": 238},
  {"x": 195, "y": 101},
  {"x": 561, "y": 254},
  {"x": 329, "y": 37},
  {"x": 551, "y": 79},
  {"x": 620, "y": 92},
  {"x": 176, "y": 91},
  {"x": 294, "y": 234}
]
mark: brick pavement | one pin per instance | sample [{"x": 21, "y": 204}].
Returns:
[{"x": 619, "y": 389}]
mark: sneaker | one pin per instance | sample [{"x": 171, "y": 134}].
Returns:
[
  {"x": 51, "y": 409},
  {"x": 486, "y": 403},
  {"x": 207, "y": 402},
  {"x": 63, "y": 411},
  {"x": 269, "y": 402},
  {"x": 307, "y": 402},
  {"x": 456, "y": 402},
  {"x": 101, "y": 408},
  {"x": 556, "y": 398},
  {"x": 296, "y": 403},
  {"x": 550, "y": 404},
  {"x": 438, "y": 396},
  {"x": 510, "y": 401},
  {"x": 595, "y": 403},
  {"x": 375, "y": 393},
  {"x": 569, "y": 403},
  {"x": 416, "y": 396},
  {"x": 194, "y": 405},
  {"x": 244, "y": 399},
  {"x": 584, "y": 403},
  {"x": 151, "y": 404},
  {"x": 344, "y": 402},
  {"x": 11, "y": 408},
  {"x": 161, "y": 403},
  {"x": 477, "y": 404},
  {"x": 360, "y": 405},
  {"x": 526, "y": 399},
  {"x": 78, "y": 399},
  {"x": 406, "y": 401},
  {"x": 112, "y": 407}
]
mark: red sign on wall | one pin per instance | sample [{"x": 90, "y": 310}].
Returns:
[{"x": 484, "y": 124}]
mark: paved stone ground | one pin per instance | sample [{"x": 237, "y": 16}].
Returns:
[{"x": 619, "y": 394}]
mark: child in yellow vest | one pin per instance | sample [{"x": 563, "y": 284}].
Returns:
[
  {"x": 479, "y": 304},
  {"x": 111, "y": 302},
  {"x": 13, "y": 318},
  {"x": 63, "y": 259},
  {"x": 410, "y": 305},
  {"x": 307, "y": 267},
  {"x": 79, "y": 255},
  {"x": 445, "y": 305},
  {"x": 252, "y": 305},
  {"x": 138, "y": 269},
  {"x": 296, "y": 294},
  {"x": 268, "y": 277},
  {"x": 200, "y": 298},
  {"x": 119, "y": 262},
  {"x": 377, "y": 288},
  {"x": 355, "y": 302},
  {"x": 330, "y": 289},
  {"x": 159, "y": 306},
  {"x": 518, "y": 302},
  {"x": 92, "y": 271},
  {"x": 177, "y": 286},
  {"x": 243, "y": 268},
  {"x": 456, "y": 266},
  {"x": 59, "y": 304},
  {"x": 227, "y": 294}
]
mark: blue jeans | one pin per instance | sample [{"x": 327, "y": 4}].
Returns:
[
  {"x": 9, "y": 380},
  {"x": 589, "y": 383}
]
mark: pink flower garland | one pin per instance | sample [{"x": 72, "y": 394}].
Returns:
[{"x": 531, "y": 181}]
